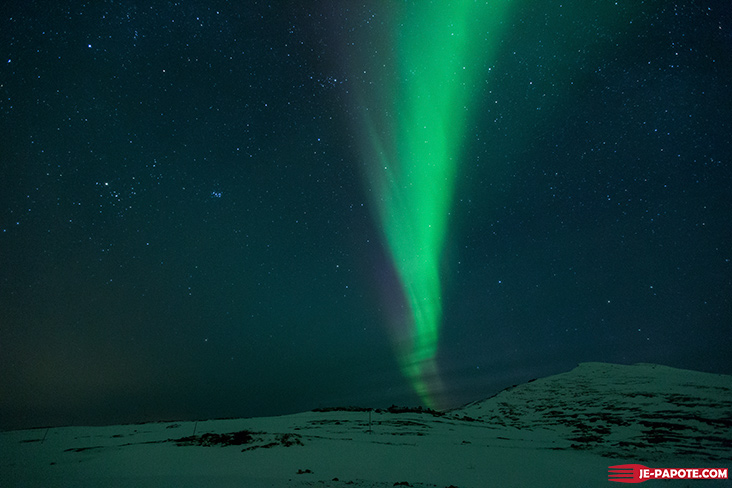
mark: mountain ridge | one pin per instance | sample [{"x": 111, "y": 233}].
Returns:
[{"x": 644, "y": 410}]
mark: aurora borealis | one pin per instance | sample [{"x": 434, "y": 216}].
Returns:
[
  {"x": 233, "y": 209},
  {"x": 414, "y": 136}
]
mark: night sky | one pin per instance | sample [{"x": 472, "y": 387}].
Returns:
[{"x": 187, "y": 229}]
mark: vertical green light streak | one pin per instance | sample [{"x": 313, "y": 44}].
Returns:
[{"x": 414, "y": 147}]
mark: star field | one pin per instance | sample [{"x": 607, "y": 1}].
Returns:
[{"x": 185, "y": 231}]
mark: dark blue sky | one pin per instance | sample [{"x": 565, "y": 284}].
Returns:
[{"x": 185, "y": 233}]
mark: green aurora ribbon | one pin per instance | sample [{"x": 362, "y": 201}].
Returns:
[{"x": 414, "y": 115}]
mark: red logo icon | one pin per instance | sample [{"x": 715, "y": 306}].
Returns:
[{"x": 626, "y": 473}]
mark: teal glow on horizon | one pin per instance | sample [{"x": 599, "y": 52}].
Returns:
[{"x": 414, "y": 120}]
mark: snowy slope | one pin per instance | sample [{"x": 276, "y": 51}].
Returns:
[
  {"x": 645, "y": 411},
  {"x": 564, "y": 430}
]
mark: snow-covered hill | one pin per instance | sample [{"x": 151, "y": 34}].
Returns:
[
  {"x": 564, "y": 430},
  {"x": 645, "y": 411}
]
